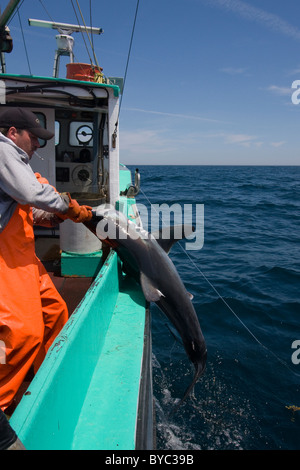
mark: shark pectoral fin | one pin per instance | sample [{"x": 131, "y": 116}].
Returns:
[
  {"x": 151, "y": 293},
  {"x": 167, "y": 236}
]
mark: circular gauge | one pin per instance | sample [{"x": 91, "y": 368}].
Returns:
[
  {"x": 84, "y": 134},
  {"x": 81, "y": 176}
]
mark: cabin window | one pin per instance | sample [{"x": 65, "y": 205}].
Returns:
[
  {"x": 81, "y": 134},
  {"x": 57, "y": 132}
]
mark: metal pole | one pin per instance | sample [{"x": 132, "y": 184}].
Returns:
[
  {"x": 3, "y": 63},
  {"x": 12, "y": 5}
]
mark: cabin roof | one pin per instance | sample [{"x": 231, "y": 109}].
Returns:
[{"x": 62, "y": 81}]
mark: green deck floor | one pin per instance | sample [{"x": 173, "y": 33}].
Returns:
[
  {"x": 86, "y": 392},
  {"x": 113, "y": 386}
]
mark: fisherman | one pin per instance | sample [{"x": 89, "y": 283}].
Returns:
[
  {"x": 8, "y": 438},
  {"x": 32, "y": 312}
]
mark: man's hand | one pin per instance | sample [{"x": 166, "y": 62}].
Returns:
[{"x": 76, "y": 213}]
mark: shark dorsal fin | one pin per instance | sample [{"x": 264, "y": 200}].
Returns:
[
  {"x": 167, "y": 236},
  {"x": 151, "y": 293}
]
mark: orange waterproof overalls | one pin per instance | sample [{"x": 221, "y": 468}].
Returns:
[{"x": 31, "y": 310}]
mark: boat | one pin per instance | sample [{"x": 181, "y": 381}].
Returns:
[{"x": 94, "y": 388}]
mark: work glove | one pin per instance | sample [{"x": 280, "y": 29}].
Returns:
[
  {"x": 75, "y": 212},
  {"x": 41, "y": 179}
]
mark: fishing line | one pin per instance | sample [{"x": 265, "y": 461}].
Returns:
[
  {"x": 15, "y": 13},
  {"x": 128, "y": 58},
  {"x": 50, "y": 17},
  {"x": 127, "y": 64},
  {"x": 236, "y": 316},
  {"x": 26, "y": 52},
  {"x": 129, "y": 51},
  {"x": 47, "y": 12},
  {"x": 92, "y": 36},
  {"x": 282, "y": 362},
  {"x": 86, "y": 30}
]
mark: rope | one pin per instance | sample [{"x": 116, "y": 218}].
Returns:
[
  {"x": 47, "y": 12},
  {"x": 126, "y": 68},
  {"x": 236, "y": 315},
  {"x": 91, "y": 23},
  {"x": 129, "y": 51},
  {"x": 86, "y": 30},
  {"x": 26, "y": 52},
  {"x": 82, "y": 33}
]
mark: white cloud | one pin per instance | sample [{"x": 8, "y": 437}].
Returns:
[
  {"x": 294, "y": 72},
  {"x": 145, "y": 142},
  {"x": 244, "y": 140},
  {"x": 176, "y": 115},
  {"x": 241, "y": 139},
  {"x": 249, "y": 141},
  {"x": 277, "y": 144},
  {"x": 280, "y": 90},
  {"x": 251, "y": 13},
  {"x": 234, "y": 70}
]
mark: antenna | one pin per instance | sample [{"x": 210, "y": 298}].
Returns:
[{"x": 64, "y": 40}]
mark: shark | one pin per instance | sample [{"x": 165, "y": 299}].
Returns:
[{"x": 145, "y": 256}]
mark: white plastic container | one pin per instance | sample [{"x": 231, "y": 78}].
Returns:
[{"x": 76, "y": 238}]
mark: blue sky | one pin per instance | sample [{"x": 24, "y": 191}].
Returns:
[{"x": 209, "y": 81}]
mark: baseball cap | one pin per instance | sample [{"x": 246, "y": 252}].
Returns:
[{"x": 22, "y": 118}]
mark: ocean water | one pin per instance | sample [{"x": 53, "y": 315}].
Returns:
[{"x": 245, "y": 281}]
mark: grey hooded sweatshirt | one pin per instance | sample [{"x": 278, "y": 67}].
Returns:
[{"x": 18, "y": 184}]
